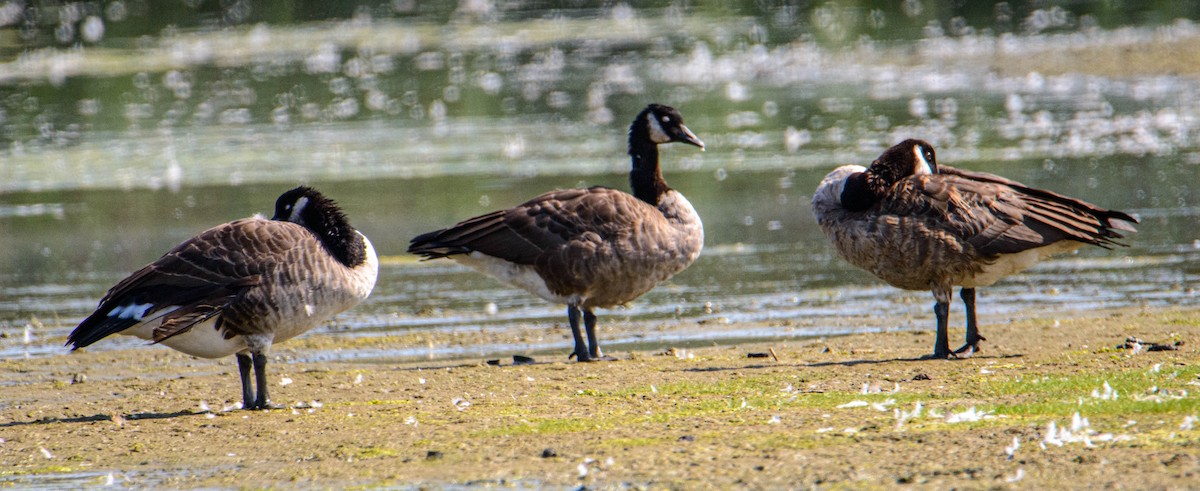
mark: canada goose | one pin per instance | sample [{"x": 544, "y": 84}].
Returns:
[
  {"x": 242, "y": 286},
  {"x": 918, "y": 225},
  {"x": 587, "y": 248}
]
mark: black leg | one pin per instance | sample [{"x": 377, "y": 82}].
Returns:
[
  {"x": 973, "y": 337},
  {"x": 941, "y": 309},
  {"x": 244, "y": 367},
  {"x": 260, "y": 377},
  {"x": 581, "y": 353},
  {"x": 589, "y": 324}
]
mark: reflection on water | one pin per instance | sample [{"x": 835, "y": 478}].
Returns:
[{"x": 131, "y": 129}]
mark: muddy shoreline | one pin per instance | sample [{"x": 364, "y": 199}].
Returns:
[{"x": 854, "y": 411}]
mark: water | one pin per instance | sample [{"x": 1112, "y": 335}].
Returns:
[{"x": 116, "y": 147}]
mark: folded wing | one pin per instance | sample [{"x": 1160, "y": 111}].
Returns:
[
  {"x": 1000, "y": 216},
  {"x": 197, "y": 280}
]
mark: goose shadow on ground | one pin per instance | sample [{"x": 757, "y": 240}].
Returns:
[
  {"x": 102, "y": 417},
  {"x": 847, "y": 363}
]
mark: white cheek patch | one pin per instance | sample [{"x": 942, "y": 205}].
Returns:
[
  {"x": 299, "y": 207},
  {"x": 132, "y": 311},
  {"x": 657, "y": 135},
  {"x": 923, "y": 166}
]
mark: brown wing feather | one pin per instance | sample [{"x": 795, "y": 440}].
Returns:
[
  {"x": 203, "y": 276},
  {"x": 1000, "y": 216},
  {"x": 1109, "y": 218},
  {"x": 523, "y": 233}
]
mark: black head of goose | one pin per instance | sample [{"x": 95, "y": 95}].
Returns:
[
  {"x": 587, "y": 247},
  {"x": 242, "y": 286},
  {"x": 918, "y": 225}
]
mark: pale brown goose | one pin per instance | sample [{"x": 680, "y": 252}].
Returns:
[
  {"x": 587, "y": 248},
  {"x": 918, "y": 225},
  {"x": 240, "y": 287}
]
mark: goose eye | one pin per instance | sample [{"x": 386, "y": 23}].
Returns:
[{"x": 666, "y": 119}]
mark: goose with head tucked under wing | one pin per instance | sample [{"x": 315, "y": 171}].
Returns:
[
  {"x": 240, "y": 287},
  {"x": 587, "y": 247},
  {"x": 918, "y": 225}
]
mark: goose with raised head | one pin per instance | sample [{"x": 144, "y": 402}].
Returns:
[
  {"x": 921, "y": 226},
  {"x": 242, "y": 286},
  {"x": 591, "y": 247}
]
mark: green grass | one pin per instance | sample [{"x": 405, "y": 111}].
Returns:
[
  {"x": 1137, "y": 391},
  {"x": 549, "y": 426}
]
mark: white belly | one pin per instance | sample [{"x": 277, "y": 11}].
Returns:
[
  {"x": 521, "y": 276},
  {"x": 202, "y": 340},
  {"x": 1014, "y": 263},
  {"x": 205, "y": 341}
]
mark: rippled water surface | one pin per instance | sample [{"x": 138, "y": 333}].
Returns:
[{"x": 115, "y": 148}]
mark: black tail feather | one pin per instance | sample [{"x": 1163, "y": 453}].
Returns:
[{"x": 96, "y": 327}]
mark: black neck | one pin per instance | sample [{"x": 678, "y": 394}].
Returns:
[
  {"x": 336, "y": 234},
  {"x": 862, "y": 190},
  {"x": 645, "y": 177}
]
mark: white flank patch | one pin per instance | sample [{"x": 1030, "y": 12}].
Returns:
[
  {"x": 202, "y": 340},
  {"x": 520, "y": 276},
  {"x": 1008, "y": 264},
  {"x": 132, "y": 311}
]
